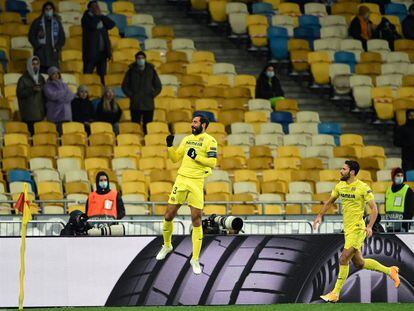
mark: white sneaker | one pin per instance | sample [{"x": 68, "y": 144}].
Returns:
[
  {"x": 165, "y": 250},
  {"x": 196, "y": 266}
]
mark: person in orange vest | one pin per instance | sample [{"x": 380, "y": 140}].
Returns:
[{"x": 104, "y": 202}]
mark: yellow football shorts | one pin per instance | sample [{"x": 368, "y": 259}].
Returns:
[
  {"x": 188, "y": 189},
  {"x": 355, "y": 239}
]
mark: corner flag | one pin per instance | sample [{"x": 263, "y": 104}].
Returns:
[{"x": 22, "y": 205}]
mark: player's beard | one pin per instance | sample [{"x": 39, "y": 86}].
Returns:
[
  {"x": 196, "y": 130},
  {"x": 345, "y": 177}
]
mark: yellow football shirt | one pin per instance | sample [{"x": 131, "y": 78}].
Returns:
[
  {"x": 205, "y": 147},
  {"x": 354, "y": 197}
]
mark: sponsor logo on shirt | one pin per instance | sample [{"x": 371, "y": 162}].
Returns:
[
  {"x": 347, "y": 195},
  {"x": 194, "y": 143}
]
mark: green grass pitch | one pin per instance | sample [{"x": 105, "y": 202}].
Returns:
[{"x": 278, "y": 307}]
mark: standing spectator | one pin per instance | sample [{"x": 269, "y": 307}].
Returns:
[
  {"x": 268, "y": 85},
  {"x": 47, "y": 37},
  {"x": 386, "y": 31},
  {"x": 141, "y": 84},
  {"x": 408, "y": 24},
  {"x": 96, "y": 46},
  {"x": 399, "y": 204},
  {"x": 404, "y": 138},
  {"x": 361, "y": 27},
  {"x": 58, "y": 98},
  {"x": 82, "y": 108},
  {"x": 29, "y": 94},
  {"x": 108, "y": 109}
]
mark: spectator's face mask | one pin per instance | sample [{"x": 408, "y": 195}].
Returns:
[
  {"x": 103, "y": 184},
  {"x": 398, "y": 180},
  {"x": 48, "y": 12},
  {"x": 270, "y": 74},
  {"x": 141, "y": 62}
]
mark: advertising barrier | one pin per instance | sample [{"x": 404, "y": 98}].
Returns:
[{"x": 239, "y": 269}]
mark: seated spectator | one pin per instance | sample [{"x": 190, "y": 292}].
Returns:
[
  {"x": 47, "y": 37},
  {"x": 408, "y": 24},
  {"x": 58, "y": 98},
  {"x": 404, "y": 138},
  {"x": 96, "y": 46},
  {"x": 386, "y": 31},
  {"x": 29, "y": 94},
  {"x": 104, "y": 202},
  {"x": 108, "y": 109},
  {"x": 268, "y": 85},
  {"x": 361, "y": 27},
  {"x": 82, "y": 108}
]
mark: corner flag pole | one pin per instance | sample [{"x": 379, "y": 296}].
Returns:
[{"x": 22, "y": 205}]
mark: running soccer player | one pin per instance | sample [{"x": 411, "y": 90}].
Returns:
[
  {"x": 199, "y": 154},
  {"x": 354, "y": 194}
]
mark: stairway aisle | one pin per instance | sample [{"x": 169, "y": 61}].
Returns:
[{"x": 205, "y": 38}]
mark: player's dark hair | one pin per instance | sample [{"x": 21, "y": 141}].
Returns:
[
  {"x": 203, "y": 119},
  {"x": 353, "y": 166}
]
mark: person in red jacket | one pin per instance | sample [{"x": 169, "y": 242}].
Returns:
[{"x": 104, "y": 202}]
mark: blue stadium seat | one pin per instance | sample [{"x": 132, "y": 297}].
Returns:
[
  {"x": 282, "y": 117},
  {"x": 3, "y": 60},
  {"x": 409, "y": 175},
  {"x": 120, "y": 21},
  {"x": 17, "y": 6},
  {"x": 209, "y": 115},
  {"x": 398, "y": 9},
  {"x": 333, "y": 129},
  {"x": 307, "y": 33},
  {"x": 22, "y": 175},
  {"x": 135, "y": 32},
  {"x": 118, "y": 92},
  {"x": 348, "y": 58},
  {"x": 109, "y": 4},
  {"x": 309, "y": 21},
  {"x": 278, "y": 42},
  {"x": 263, "y": 8}
]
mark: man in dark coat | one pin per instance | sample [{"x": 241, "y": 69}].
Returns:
[
  {"x": 408, "y": 24},
  {"x": 47, "y": 37},
  {"x": 404, "y": 138},
  {"x": 29, "y": 93},
  {"x": 96, "y": 46},
  {"x": 141, "y": 84}
]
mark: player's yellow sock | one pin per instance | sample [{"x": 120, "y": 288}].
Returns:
[
  {"x": 167, "y": 230},
  {"x": 197, "y": 238},
  {"x": 372, "y": 264},
  {"x": 342, "y": 276}
]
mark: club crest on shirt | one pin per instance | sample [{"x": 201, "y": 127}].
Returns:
[
  {"x": 201, "y": 139},
  {"x": 353, "y": 189}
]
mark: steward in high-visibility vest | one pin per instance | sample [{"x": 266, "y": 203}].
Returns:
[
  {"x": 398, "y": 202},
  {"x": 104, "y": 202}
]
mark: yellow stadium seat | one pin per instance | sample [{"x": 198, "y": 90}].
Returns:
[
  {"x": 134, "y": 187},
  {"x": 381, "y": 94},
  {"x": 71, "y": 55},
  {"x": 104, "y": 151},
  {"x": 45, "y": 139},
  {"x": 287, "y": 163},
  {"x": 217, "y": 9},
  {"x": 96, "y": 163},
  {"x": 258, "y": 35},
  {"x": 146, "y": 164},
  {"x": 44, "y": 127},
  {"x": 163, "y": 32},
  {"x": 123, "y": 7},
  {"x": 291, "y": 9},
  {"x": 16, "y": 127},
  {"x": 351, "y": 140},
  {"x": 329, "y": 175},
  {"x": 70, "y": 152},
  {"x": 128, "y": 140}
]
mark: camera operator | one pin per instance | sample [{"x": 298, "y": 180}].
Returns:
[
  {"x": 77, "y": 224},
  {"x": 104, "y": 202}
]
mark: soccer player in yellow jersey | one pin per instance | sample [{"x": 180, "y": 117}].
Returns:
[
  {"x": 354, "y": 195},
  {"x": 199, "y": 156}
]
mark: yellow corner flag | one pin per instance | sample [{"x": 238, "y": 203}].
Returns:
[{"x": 22, "y": 205}]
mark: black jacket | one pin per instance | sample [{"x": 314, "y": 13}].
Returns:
[
  {"x": 91, "y": 37},
  {"x": 408, "y": 27},
  {"x": 82, "y": 110},
  {"x": 386, "y": 31},
  {"x": 141, "y": 86},
  {"x": 355, "y": 29},
  {"x": 108, "y": 116},
  {"x": 48, "y": 55},
  {"x": 268, "y": 88},
  {"x": 120, "y": 209},
  {"x": 404, "y": 134}
]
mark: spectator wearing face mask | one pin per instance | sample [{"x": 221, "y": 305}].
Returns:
[
  {"x": 82, "y": 108},
  {"x": 141, "y": 84},
  {"x": 361, "y": 27},
  {"x": 268, "y": 85},
  {"x": 108, "y": 109},
  {"x": 404, "y": 138},
  {"x": 47, "y": 37},
  {"x": 29, "y": 94},
  {"x": 96, "y": 45},
  {"x": 58, "y": 98},
  {"x": 399, "y": 203},
  {"x": 104, "y": 202}
]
